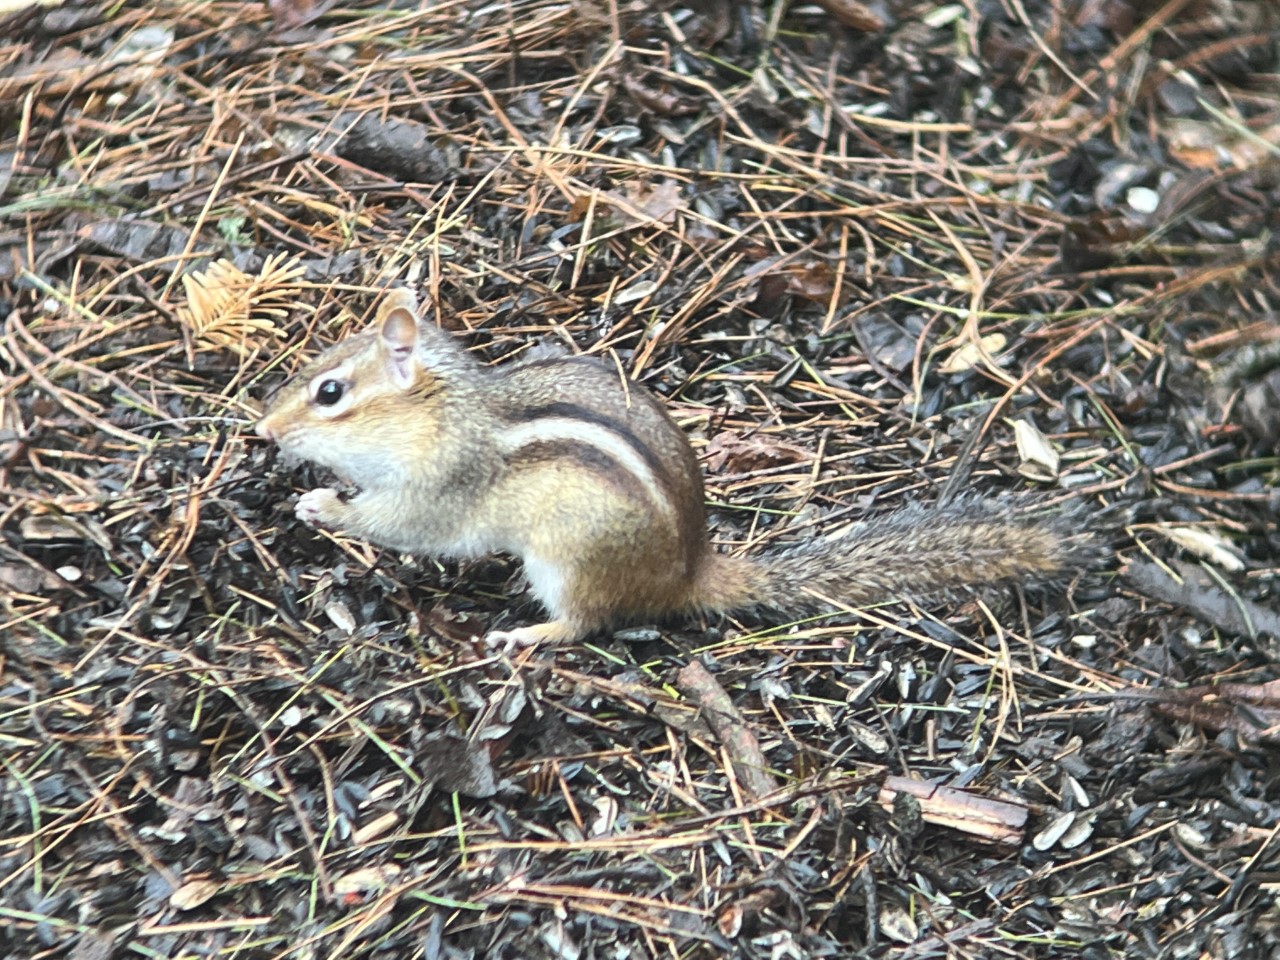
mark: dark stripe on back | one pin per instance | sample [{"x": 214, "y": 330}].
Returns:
[
  {"x": 584, "y": 454},
  {"x": 555, "y": 361},
  {"x": 573, "y": 411}
]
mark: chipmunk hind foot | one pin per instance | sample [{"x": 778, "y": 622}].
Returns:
[{"x": 551, "y": 633}]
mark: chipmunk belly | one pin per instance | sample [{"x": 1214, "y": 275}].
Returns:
[
  {"x": 394, "y": 518},
  {"x": 546, "y": 583}
]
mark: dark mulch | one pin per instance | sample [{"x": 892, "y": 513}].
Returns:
[{"x": 863, "y": 266}]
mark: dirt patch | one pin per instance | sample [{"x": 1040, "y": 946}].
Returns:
[{"x": 1013, "y": 248}]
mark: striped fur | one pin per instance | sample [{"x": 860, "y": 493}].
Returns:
[
  {"x": 597, "y": 444},
  {"x": 590, "y": 483}
]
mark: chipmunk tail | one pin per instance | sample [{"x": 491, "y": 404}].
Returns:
[{"x": 915, "y": 552}]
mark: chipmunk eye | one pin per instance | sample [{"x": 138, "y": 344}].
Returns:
[{"x": 330, "y": 392}]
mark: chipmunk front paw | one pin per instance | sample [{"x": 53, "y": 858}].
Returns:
[{"x": 320, "y": 508}]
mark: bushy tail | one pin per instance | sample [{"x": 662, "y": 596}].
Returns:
[{"x": 912, "y": 553}]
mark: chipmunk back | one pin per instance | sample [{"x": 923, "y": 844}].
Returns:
[{"x": 587, "y": 480}]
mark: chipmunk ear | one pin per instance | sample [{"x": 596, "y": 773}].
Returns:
[
  {"x": 398, "y": 332},
  {"x": 411, "y": 345}
]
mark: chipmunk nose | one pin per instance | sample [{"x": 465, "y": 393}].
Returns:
[{"x": 262, "y": 430}]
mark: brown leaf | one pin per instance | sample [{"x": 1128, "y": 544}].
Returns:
[
  {"x": 46, "y": 527},
  {"x": 454, "y": 626},
  {"x": 28, "y": 579},
  {"x": 660, "y": 102},
  {"x": 1211, "y": 145},
  {"x": 288, "y": 14},
  {"x": 1118, "y": 16},
  {"x": 1251, "y": 710},
  {"x": 193, "y": 894},
  {"x": 634, "y": 202},
  {"x": 853, "y": 13},
  {"x": 744, "y": 454},
  {"x": 814, "y": 281},
  {"x": 353, "y": 886}
]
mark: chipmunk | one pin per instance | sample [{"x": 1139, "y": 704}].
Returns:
[{"x": 589, "y": 482}]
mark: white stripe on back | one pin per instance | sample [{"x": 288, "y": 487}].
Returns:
[{"x": 550, "y": 429}]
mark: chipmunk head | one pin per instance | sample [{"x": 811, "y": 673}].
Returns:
[{"x": 368, "y": 397}]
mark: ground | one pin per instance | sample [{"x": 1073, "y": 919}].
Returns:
[{"x": 867, "y": 256}]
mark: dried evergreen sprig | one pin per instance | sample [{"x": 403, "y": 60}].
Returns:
[{"x": 228, "y": 309}]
